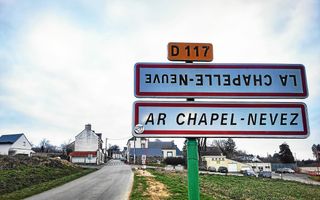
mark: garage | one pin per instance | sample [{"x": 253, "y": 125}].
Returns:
[{"x": 232, "y": 167}]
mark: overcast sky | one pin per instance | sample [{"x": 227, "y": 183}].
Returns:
[{"x": 67, "y": 63}]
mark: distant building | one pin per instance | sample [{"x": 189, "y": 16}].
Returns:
[
  {"x": 87, "y": 147},
  {"x": 117, "y": 154},
  {"x": 217, "y": 161},
  {"x": 248, "y": 159},
  {"x": 15, "y": 144},
  {"x": 152, "y": 150},
  {"x": 260, "y": 166},
  {"x": 254, "y": 162}
]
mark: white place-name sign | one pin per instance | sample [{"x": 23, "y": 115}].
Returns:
[
  {"x": 220, "y": 80},
  {"x": 215, "y": 119}
]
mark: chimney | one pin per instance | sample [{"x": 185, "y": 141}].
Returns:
[{"x": 88, "y": 127}]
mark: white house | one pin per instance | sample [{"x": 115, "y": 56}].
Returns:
[
  {"x": 169, "y": 152},
  {"x": 137, "y": 143},
  {"x": 152, "y": 150},
  {"x": 87, "y": 147},
  {"x": 15, "y": 144}
]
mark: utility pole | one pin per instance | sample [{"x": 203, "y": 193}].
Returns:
[{"x": 134, "y": 150}]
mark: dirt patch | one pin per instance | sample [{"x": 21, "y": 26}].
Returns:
[
  {"x": 144, "y": 173},
  {"x": 155, "y": 190}
]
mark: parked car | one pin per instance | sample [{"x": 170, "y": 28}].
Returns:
[
  {"x": 212, "y": 169},
  {"x": 202, "y": 168},
  {"x": 289, "y": 170},
  {"x": 223, "y": 170},
  {"x": 249, "y": 173},
  {"x": 285, "y": 170},
  {"x": 265, "y": 174}
]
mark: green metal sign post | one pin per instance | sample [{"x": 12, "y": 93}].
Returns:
[
  {"x": 193, "y": 170},
  {"x": 193, "y": 165}
]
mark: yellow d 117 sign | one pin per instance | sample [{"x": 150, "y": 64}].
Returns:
[{"x": 178, "y": 51}]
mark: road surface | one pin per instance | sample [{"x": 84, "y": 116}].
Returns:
[
  {"x": 303, "y": 178},
  {"x": 113, "y": 181}
]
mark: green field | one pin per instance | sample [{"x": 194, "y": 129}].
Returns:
[
  {"x": 22, "y": 180},
  {"x": 232, "y": 187}
]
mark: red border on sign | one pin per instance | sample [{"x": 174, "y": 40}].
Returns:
[
  {"x": 138, "y": 66},
  {"x": 223, "y": 105}
]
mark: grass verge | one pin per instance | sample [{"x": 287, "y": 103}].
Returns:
[
  {"x": 315, "y": 178},
  {"x": 139, "y": 187},
  {"x": 231, "y": 187},
  {"x": 38, "y": 188}
]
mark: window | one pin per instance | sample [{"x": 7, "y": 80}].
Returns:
[
  {"x": 169, "y": 154},
  {"x": 24, "y": 143}
]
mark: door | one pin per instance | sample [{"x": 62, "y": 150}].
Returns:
[{"x": 232, "y": 167}]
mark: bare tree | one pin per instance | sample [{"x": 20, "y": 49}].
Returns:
[
  {"x": 230, "y": 148},
  {"x": 316, "y": 152},
  {"x": 227, "y": 147},
  {"x": 66, "y": 147},
  {"x": 202, "y": 146},
  {"x": 220, "y": 144},
  {"x": 44, "y": 144}
]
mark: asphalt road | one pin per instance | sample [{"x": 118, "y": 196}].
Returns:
[
  {"x": 113, "y": 181},
  {"x": 303, "y": 178}
]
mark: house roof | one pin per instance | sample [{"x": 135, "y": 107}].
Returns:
[
  {"x": 10, "y": 139},
  {"x": 83, "y": 153},
  {"x": 162, "y": 145},
  {"x": 178, "y": 152},
  {"x": 155, "y": 148},
  {"x": 151, "y": 151},
  {"x": 145, "y": 151},
  {"x": 248, "y": 159}
]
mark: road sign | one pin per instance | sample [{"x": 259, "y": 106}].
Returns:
[
  {"x": 215, "y": 119},
  {"x": 178, "y": 51},
  {"x": 143, "y": 159},
  {"x": 220, "y": 80}
]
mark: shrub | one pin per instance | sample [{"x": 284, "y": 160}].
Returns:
[{"x": 174, "y": 161}]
